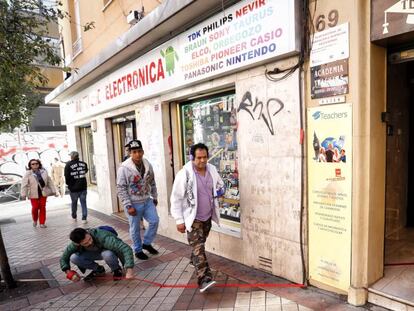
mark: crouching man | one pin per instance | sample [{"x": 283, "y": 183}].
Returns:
[{"x": 89, "y": 245}]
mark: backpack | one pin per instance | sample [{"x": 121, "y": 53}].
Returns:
[{"x": 108, "y": 228}]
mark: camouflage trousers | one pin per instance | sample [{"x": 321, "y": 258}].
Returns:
[{"x": 197, "y": 239}]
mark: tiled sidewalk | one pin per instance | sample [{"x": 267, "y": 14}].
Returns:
[{"x": 34, "y": 248}]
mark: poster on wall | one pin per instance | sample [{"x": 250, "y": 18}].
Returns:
[
  {"x": 214, "y": 122},
  {"x": 330, "y": 187},
  {"x": 330, "y": 45}
]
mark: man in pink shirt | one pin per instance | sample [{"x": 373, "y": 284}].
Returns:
[{"x": 194, "y": 205}]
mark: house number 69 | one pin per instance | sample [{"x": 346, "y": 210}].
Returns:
[{"x": 321, "y": 22}]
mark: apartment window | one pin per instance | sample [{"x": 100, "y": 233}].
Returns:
[
  {"x": 76, "y": 30},
  {"x": 88, "y": 152},
  {"x": 213, "y": 121}
]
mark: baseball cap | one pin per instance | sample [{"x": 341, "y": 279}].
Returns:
[
  {"x": 134, "y": 144},
  {"x": 74, "y": 154}
]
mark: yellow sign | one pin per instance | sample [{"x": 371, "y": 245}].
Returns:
[{"x": 330, "y": 186}]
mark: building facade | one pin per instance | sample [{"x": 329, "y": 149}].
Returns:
[{"x": 311, "y": 147}]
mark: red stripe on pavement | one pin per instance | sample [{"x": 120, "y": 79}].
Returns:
[
  {"x": 248, "y": 285},
  {"x": 244, "y": 285},
  {"x": 400, "y": 264}
]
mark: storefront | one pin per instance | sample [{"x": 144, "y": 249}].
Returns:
[
  {"x": 209, "y": 84},
  {"x": 321, "y": 182}
]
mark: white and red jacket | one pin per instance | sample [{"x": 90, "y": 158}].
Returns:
[{"x": 184, "y": 195}]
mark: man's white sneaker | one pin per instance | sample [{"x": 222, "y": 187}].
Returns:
[
  {"x": 205, "y": 285},
  {"x": 84, "y": 221}
]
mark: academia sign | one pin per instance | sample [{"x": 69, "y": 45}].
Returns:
[
  {"x": 247, "y": 34},
  {"x": 329, "y": 79}
]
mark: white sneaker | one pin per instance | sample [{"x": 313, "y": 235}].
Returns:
[
  {"x": 205, "y": 285},
  {"x": 84, "y": 221},
  {"x": 43, "y": 226}
]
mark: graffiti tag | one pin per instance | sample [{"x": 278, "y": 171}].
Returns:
[{"x": 273, "y": 104}]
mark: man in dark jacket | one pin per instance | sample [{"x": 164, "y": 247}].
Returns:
[
  {"x": 75, "y": 176},
  {"x": 96, "y": 244}
]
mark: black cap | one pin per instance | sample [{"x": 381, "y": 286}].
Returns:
[
  {"x": 74, "y": 154},
  {"x": 134, "y": 144}
]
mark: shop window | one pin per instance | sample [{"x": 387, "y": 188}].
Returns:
[
  {"x": 213, "y": 121},
  {"x": 88, "y": 152}
]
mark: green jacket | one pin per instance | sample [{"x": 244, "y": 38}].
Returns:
[{"x": 103, "y": 239}]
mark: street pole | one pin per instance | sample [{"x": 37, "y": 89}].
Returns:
[{"x": 4, "y": 266}]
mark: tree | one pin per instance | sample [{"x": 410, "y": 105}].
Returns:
[
  {"x": 24, "y": 45},
  {"x": 4, "y": 266}
]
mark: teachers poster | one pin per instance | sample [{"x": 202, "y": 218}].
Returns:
[{"x": 330, "y": 186}]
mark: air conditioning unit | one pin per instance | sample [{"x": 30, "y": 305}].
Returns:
[{"x": 134, "y": 17}]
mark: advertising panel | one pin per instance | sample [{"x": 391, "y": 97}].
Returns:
[{"x": 330, "y": 189}]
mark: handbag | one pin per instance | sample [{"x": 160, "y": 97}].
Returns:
[{"x": 47, "y": 192}]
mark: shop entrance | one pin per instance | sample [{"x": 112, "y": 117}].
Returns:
[
  {"x": 213, "y": 121},
  {"x": 123, "y": 131},
  {"x": 399, "y": 209}
]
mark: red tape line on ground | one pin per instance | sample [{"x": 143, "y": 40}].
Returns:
[
  {"x": 110, "y": 278},
  {"x": 196, "y": 286},
  {"x": 400, "y": 264}
]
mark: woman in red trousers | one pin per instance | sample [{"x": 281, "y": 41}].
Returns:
[{"x": 37, "y": 185}]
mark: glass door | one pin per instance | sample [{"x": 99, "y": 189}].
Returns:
[{"x": 123, "y": 131}]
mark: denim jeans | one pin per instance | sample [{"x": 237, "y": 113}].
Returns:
[
  {"x": 147, "y": 211},
  {"x": 81, "y": 195},
  {"x": 86, "y": 259}
]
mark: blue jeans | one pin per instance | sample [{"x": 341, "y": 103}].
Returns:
[
  {"x": 147, "y": 211},
  {"x": 81, "y": 195},
  {"x": 86, "y": 259}
]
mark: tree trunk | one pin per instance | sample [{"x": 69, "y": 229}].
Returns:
[{"x": 4, "y": 266}]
